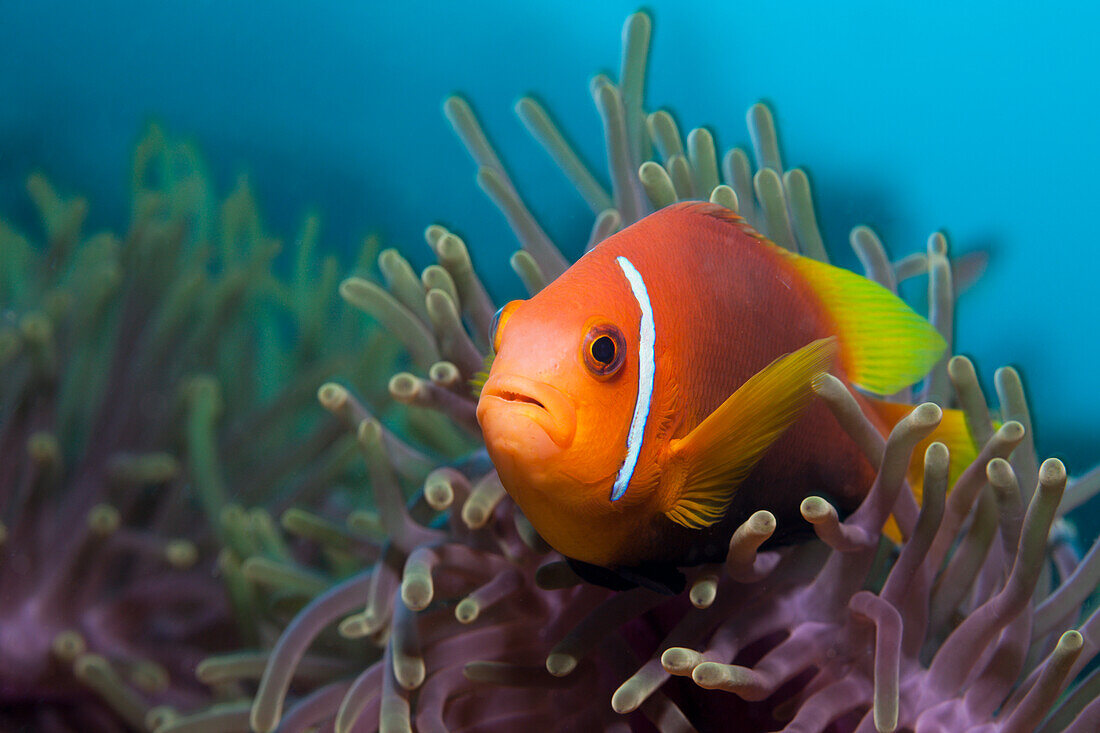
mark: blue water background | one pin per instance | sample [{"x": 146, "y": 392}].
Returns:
[{"x": 978, "y": 119}]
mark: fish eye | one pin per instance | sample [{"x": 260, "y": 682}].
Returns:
[
  {"x": 496, "y": 326},
  {"x": 604, "y": 350}
]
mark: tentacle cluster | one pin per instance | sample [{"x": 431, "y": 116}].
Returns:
[
  {"x": 144, "y": 381},
  {"x": 463, "y": 619}
]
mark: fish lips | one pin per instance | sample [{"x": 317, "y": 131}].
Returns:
[{"x": 509, "y": 397}]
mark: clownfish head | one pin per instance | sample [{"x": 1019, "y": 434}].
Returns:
[{"x": 564, "y": 408}]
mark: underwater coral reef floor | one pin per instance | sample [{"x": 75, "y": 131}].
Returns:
[{"x": 137, "y": 399}]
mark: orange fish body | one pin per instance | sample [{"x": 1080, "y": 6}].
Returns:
[{"x": 660, "y": 391}]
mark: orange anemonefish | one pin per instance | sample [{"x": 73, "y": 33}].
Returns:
[{"x": 645, "y": 403}]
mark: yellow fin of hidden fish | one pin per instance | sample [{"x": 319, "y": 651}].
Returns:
[
  {"x": 480, "y": 377},
  {"x": 952, "y": 432},
  {"x": 721, "y": 451},
  {"x": 885, "y": 345}
]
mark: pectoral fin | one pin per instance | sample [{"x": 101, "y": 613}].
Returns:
[{"x": 721, "y": 451}]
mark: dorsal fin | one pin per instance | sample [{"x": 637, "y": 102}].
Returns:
[
  {"x": 885, "y": 345},
  {"x": 719, "y": 213}
]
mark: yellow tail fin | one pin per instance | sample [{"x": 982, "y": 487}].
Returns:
[{"x": 885, "y": 345}]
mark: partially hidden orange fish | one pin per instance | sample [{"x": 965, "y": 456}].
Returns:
[{"x": 649, "y": 400}]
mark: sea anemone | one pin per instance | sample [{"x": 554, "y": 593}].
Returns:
[
  {"x": 146, "y": 380},
  {"x": 465, "y": 621}
]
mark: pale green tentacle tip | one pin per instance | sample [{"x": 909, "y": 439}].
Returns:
[
  {"x": 409, "y": 672},
  {"x": 417, "y": 588},
  {"x": 885, "y": 715},
  {"x": 404, "y": 387},
  {"x": 436, "y": 277},
  {"x": 474, "y": 514},
  {"x": 103, "y": 520},
  {"x": 704, "y": 591},
  {"x": 358, "y": 626},
  {"x": 457, "y": 110},
  {"x": 937, "y": 458},
  {"x": 528, "y": 108},
  {"x": 937, "y": 244},
  {"x": 149, "y": 468},
  {"x": 528, "y": 270},
  {"x": 926, "y": 414},
  {"x": 366, "y": 523},
  {"x": 637, "y": 23},
  {"x": 149, "y": 677},
  {"x": 762, "y": 130},
  {"x": 680, "y": 661},
  {"x": 796, "y": 178},
  {"x": 657, "y": 183},
  {"x": 444, "y": 374},
  {"x": 181, "y": 554},
  {"x": 560, "y": 665},
  {"x": 369, "y": 432},
  {"x": 960, "y": 367},
  {"x": 1052, "y": 473},
  {"x": 44, "y": 448},
  {"x": 160, "y": 717},
  {"x": 628, "y": 697},
  {"x": 467, "y": 611},
  {"x": 68, "y": 645},
  {"x": 680, "y": 173},
  {"x": 762, "y": 523},
  {"x": 451, "y": 249},
  {"x": 598, "y": 82},
  {"x": 491, "y": 182},
  {"x": 357, "y": 291},
  {"x": 442, "y": 309},
  {"x": 390, "y": 259},
  {"x": 433, "y": 233},
  {"x": 1008, "y": 379},
  {"x": 725, "y": 196},
  {"x": 438, "y": 492},
  {"x": 1011, "y": 432},
  {"x": 94, "y": 666},
  {"x": 715, "y": 675},
  {"x": 1070, "y": 642},
  {"x": 332, "y": 396}
]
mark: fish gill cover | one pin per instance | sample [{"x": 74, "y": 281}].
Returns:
[{"x": 449, "y": 613}]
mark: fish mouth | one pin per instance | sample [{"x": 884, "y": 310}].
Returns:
[
  {"x": 546, "y": 406},
  {"x": 510, "y": 396}
]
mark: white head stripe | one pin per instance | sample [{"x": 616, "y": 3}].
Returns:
[{"x": 647, "y": 335}]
